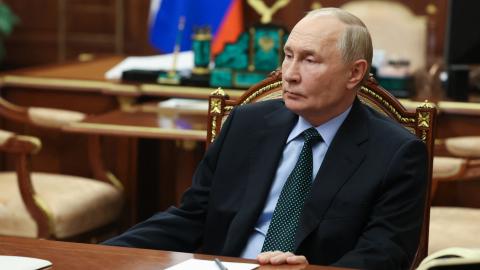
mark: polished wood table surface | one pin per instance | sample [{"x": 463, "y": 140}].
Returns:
[
  {"x": 88, "y": 76},
  {"x": 146, "y": 120},
  {"x": 75, "y": 256}
]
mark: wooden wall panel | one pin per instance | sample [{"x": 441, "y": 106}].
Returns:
[
  {"x": 136, "y": 28},
  {"x": 34, "y": 39}
]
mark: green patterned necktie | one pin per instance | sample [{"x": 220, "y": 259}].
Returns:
[{"x": 281, "y": 232}]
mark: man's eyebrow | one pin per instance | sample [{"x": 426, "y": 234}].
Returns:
[
  {"x": 308, "y": 52},
  {"x": 302, "y": 52}
]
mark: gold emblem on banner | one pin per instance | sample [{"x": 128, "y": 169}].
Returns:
[
  {"x": 266, "y": 43},
  {"x": 265, "y": 11}
]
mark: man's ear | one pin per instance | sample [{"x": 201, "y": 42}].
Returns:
[{"x": 357, "y": 71}]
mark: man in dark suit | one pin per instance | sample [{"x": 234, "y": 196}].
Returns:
[{"x": 363, "y": 203}]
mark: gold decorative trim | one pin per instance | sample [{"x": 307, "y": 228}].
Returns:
[
  {"x": 186, "y": 145},
  {"x": 114, "y": 180},
  {"x": 214, "y": 128},
  {"x": 44, "y": 208},
  {"x": 215, "y": 105},
  {"x": 388, "y": 106},
  {"x": 125, "y": 102},
  {"x": 200, "y": 70},
  {"x": 202, "y": 36},
  {"x": 410, "y": 104},
  {"x": 431, "y": 9},
  {"x": 266, "y": 12},
  {"x": 151, "y": 132},
  {"x": 69, "y": 84},
  {"x": 261, "y": 91},
  {"x": 251, "y": 55},
  {"x": 424, "y": 120},
  {"x": 218, "y": 92},
  {"x": 427, "y": 105},
  {"x": 439, "y": 141},
  {"x": 315, "y": 5}
]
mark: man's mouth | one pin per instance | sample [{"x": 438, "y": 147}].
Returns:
[{"x": 292, "y": 93}]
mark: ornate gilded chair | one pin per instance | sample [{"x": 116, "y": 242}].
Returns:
[
  {"x": 48, "y": 205},
  {"x": 421, "y": 123}
]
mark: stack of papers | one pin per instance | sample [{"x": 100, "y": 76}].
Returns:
[
  {"x": 185, "y": 104},
  {"x": 211, "y": 265},
  {"x": 156, "y": 62}
]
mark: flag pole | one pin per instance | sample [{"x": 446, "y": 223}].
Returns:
[{"x": 176, "y": 49}]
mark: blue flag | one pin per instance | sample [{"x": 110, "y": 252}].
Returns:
[{"x": 165, "y": 21}]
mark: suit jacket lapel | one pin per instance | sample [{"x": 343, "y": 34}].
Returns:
[
  {"x": 263, "y": 165},
  {"x": 342, "y": 158}
]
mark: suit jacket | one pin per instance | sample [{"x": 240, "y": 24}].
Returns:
[{"x": 365, "y": 209}]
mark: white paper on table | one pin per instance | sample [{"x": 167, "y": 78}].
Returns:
[
  {"x": 211, "y": 265},
  {"x": 156, "y": 62},
  {"x": 185, "y": 104},
  {"x": 22, "y": 263}
]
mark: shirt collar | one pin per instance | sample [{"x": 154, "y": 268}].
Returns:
[{"x": 327, "y": 130}]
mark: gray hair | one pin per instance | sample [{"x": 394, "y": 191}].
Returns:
[{"x": 355, "y": 42}]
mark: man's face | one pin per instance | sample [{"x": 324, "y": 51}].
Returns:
[{"x": 316, "y": 82}]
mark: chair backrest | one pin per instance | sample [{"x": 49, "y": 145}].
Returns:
[
  {"x": 421, "y": 123},
  {"x": 389, "y": 22}
]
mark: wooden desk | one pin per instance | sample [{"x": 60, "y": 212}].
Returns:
[{"x": 73, "y": 256}]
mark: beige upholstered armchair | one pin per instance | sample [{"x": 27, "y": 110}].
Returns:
[
  {"x": 421, "y": 123},
  {"x": 47, "y": 205},
  {"x": 457, "y": 159}
]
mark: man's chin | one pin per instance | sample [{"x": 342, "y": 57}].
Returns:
[{"x": 294, "y": 106}]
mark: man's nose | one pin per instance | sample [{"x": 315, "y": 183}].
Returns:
[{"x": 290, "y": 72}]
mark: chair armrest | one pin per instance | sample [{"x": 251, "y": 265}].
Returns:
[
  {"x": 39, "y": 116},
  {"x": 53, "y": 118},
  {"x": 13, "y": 143}
]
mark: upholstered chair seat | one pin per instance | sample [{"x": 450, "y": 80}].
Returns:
[
  {"x": 464, "y": 146},
  {"x": 77, "y": 204},
  {"x": 447, "y": 167},
  {"x": 454, "y": 227}
]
